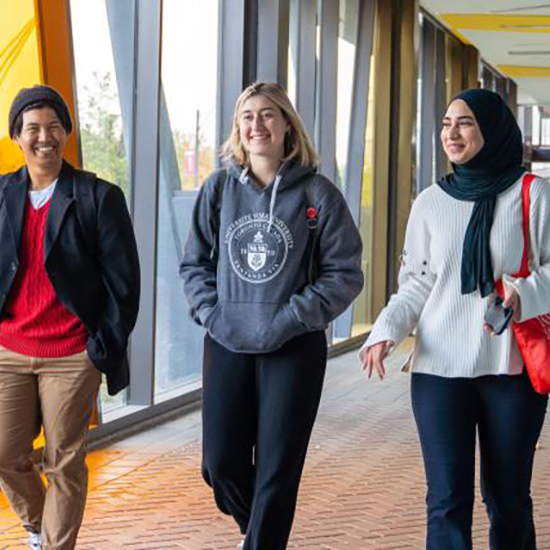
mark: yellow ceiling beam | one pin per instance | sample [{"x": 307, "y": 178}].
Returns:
[
  {"x": 503, "y": 23},
  {"x": 461, "y": 37},
  {"x": 514, "y": 71}
]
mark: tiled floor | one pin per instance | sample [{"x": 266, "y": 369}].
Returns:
[{"x": 363, "y": 486}]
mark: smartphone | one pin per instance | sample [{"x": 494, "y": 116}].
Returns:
[{"x": 498, "y": 317}]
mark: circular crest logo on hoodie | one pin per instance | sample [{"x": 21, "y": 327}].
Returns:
[{"x": 258, "y": 251}]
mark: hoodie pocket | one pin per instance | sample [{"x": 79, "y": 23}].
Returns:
[{"x": 253, "y": 327}]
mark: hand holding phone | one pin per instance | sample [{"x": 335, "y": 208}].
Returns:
[{"x": 498, "y": 317}]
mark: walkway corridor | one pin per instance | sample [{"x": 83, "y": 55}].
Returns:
[{"x": 363, "y": 486}]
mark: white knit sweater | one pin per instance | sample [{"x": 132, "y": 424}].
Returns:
[{"x": 450, "y": 340}]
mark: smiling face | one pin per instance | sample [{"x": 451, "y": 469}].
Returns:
[
  {"x": 262, "y": 128},
  {"x": 460, "y": 135},
  {"x": 42, "y": 140}
]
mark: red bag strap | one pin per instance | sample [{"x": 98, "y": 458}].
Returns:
[{"x": 526, "y": 203}]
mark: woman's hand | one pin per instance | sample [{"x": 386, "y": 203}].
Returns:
[
  {"x": 511, "y": 300},
  {"x": 373, "y": 359}
]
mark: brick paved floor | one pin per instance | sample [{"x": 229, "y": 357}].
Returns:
[{"x": 363, "y": 486}]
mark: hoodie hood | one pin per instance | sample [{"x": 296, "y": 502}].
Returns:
[{"x": 289, "y": 173}]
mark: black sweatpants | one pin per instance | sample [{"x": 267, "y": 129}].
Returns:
[
  {"x": 258, "y": 413},
  {"x": 508, "y": 416}
]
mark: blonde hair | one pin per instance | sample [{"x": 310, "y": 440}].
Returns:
[{"x": 298, "y": 146}]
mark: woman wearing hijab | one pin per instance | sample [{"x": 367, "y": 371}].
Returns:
[
  {"x": 246, "y": 270},
  {"x": 464, "y": 234}
]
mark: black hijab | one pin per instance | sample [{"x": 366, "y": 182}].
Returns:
[{"x": 480, "y": 180}]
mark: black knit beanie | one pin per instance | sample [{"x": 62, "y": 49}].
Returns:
[{"x": 40, "y": 94}]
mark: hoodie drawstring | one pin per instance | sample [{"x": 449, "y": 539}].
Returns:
[
  {"x": 273, "y": 199},
  {"x": 244, "y": 175}
]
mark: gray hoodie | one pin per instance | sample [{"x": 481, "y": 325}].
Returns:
[{"x": 247, "y": 282}]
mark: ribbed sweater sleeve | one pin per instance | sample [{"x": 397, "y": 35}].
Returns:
[
  {"x": 534, "y": 291},
  {"x": 416, "y": 281}
]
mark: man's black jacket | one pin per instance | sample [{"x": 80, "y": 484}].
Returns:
[{"x": 100, "y": 284}]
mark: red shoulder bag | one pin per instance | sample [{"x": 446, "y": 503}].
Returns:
[{"x": 533, "y": 335}]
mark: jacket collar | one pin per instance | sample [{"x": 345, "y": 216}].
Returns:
[
  {"x": 15, "y": 190},
  {"x": 61, "y": 200}
]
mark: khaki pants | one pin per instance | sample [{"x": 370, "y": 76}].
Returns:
[{"x": 57, "y": 394}]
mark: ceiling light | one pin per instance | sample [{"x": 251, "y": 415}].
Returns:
[
  {"x": 512, "y": 27},
  {"x": 524, "y": 8}
]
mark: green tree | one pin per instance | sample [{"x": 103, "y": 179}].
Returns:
[{"x": 101, "y": 132}]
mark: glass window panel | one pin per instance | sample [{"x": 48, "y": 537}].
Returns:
[
  {"x": 545, "y": 131},
  {"x": 541, "y": 169},
  {"x": 536, "y": 126},
  {"x": 347, "y": 43},
  {"x": 292, "y": 65},
  {"x": 187, "y": 154},
  {"x": 103, "y": 39},
  {"x": 362, "y": 312}
]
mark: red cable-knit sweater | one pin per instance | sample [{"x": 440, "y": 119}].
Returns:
[{"x": 34, "y": 322}]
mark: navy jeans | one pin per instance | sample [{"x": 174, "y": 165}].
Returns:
[
  {"x": 258, "y": 412},
  {"x": 508, "y": 416}
]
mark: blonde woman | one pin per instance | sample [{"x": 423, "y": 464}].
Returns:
[{"x": 257, "y": 226}]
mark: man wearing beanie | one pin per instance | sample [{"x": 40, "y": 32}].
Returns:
[{"x": 69, "y": 294}]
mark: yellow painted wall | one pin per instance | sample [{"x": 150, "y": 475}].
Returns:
[
  {"x": 19, "y": 67},
  {"x": 35, "y": 48}
]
